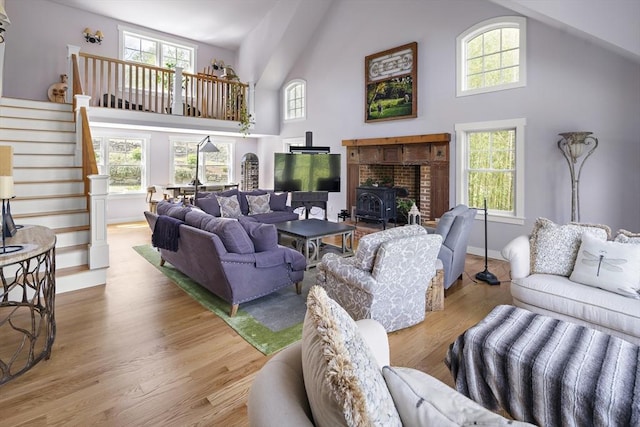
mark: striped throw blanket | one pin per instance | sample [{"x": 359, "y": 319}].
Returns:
[{"x": 547, "y": 371}]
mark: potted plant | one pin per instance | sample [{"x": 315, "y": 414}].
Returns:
[{"x": 403, "y": 206}]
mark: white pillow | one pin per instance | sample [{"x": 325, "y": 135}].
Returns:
[
  {"x": 258, "y": 204},
  {"x": 422, "y": 400},
  {"x": 624, "y": 236},
  {"x": 342, "y": 378},
  {"x": 229, "y": 206},
  {"x": 612, "y": 266},
  {"x": 554, "y": 247}
]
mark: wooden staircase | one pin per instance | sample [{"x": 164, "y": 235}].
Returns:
[{"x": 48, "y": 183}]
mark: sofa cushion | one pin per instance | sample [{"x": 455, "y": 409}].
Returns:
[
  {"x": 175, "y": 210},
  {"x": 624, "y": 236},
  {"x": 209, "y": 204},
  {"x": 229, "y": 206},
  {"x": 559, "y": 297},
  {"x": 197, "y": 218},
  {"x": 422, "y": 400},
  {"x": 612, "y": 266},
  {"x": 554, "y": 247},
  {"x": 258, "y": 204},
  {"x": 242, "y": 198},
  {"x": 278, "y": 202},
  {"x": 369, "y": 244},
  {"x": 343, "y": 381},
  {"x": 275, "y": 216},
  {"x": 263, "y": 236},
  {"x": 233, "y": 236}
]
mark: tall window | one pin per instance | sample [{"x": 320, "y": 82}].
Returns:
[
  {"x": 294, "y": 100},
  {"x": 491, "y": 165},
  {"x": 214, "y": 168},
  {"x": 123, "y": 159},
  {"x": 137, "y": 46},
  {"x": 491, "y": 56}
]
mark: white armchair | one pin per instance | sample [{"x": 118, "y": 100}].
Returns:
[{"x": 388, "y": 277}]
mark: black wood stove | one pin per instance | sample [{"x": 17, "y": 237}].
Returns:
[{"x": 376, "y": 204}]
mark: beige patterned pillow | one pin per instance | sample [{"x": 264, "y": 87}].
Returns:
[
  {"x": 624, "y": 236},
  {"x": 258, "y": 204},
  {"x": 342, "y": 378},
  {"x": 554, "y": 247},
  {"x": 229, "y": 206}
]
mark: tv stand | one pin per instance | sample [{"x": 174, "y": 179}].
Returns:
[{"x": 309, "y": 199}]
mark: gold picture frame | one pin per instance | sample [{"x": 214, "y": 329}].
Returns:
[{"x": 391, "y": 84}]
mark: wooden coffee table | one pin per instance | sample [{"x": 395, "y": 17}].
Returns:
[{"x": 308, "y": 235}]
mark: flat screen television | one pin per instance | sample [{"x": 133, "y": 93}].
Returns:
[{"x": 306, "y": 172}]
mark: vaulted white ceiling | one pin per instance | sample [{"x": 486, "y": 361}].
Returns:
[{"x": 614, "y": 24}]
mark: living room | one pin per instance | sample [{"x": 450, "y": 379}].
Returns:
[{"x": 573, "y": 83}]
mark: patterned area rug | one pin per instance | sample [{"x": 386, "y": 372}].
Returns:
[{"x": 269, "y": 323}]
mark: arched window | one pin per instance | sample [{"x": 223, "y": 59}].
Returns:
[
  {"x": 491, "y": 56},
  {"x": 294, "y": 100}
]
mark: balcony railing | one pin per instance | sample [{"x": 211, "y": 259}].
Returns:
[{"x": 123, "y": 85}]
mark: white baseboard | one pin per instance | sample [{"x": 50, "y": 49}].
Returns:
[{"x": 480, "y": 252}]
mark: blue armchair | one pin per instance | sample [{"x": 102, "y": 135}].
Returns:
[{"x": 454, "y": 227}]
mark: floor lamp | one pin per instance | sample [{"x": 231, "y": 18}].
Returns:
[
  {"x": 486, "y": 275},
  {"x": 572, "y": 146},
  {"x": 206, "y": 146}
]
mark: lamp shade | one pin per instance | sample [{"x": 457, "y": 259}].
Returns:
[{"x": 209, "y": 147}]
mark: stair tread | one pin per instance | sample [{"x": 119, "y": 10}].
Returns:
[
  {"x": 72, "y": 248},
  {"x": 67, "y": 212},
  {"x": 63, "y": 230},
  {"x": 46, "y": 167},
  {"x": 49, "y": 181},
  {"x": 53, "y": 196},
  {"x": 69, "y": 271}
]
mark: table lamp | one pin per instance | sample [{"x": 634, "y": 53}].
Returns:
[{"x": 6, "y": 194}]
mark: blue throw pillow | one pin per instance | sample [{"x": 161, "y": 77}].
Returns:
[
  {"x": 278, "y": 202},
  {"x": 263, "y": 236},
  {"x": 209, "y": 204},
  {"x": 175, "y": 210}
]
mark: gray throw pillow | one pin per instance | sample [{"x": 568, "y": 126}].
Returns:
[
  {"x": 263, "y": 236},
  {"x": 278, "y": 202},
  {"x": 209, "y": 205}
]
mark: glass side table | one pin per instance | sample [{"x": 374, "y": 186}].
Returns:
[{"x": 27, "y": 297}]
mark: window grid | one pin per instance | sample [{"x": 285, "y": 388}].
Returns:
[
  {"x": 157, "y": 52},
  {"x": 123, "y": 160},
  {"x": 214, "y": 168},
  {"x": 491, "y": 56},
  {"x": 295, "y": 100}
]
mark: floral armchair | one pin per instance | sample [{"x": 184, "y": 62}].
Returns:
[{"x": 388, "y": 277}]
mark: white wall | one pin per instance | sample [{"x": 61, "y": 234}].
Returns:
[{"x": 572, "y": 85}]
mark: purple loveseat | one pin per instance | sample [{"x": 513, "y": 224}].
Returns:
[{"x": 237, "y": 260}]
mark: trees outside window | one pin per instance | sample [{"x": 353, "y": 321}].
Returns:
[
  {"x": 123, "y": 159},
  {"x": 490, "y": 163},
  {"x": 214, "y": 168},
  {"x": 492, "y": 56}
]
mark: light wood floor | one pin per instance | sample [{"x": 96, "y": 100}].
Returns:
[{"x": 139, "y": 351}]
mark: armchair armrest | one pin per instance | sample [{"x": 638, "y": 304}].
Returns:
[
  {"x": 518, "y": 253},
  {"x": 345, "y": 269},
  {"x": 376, "y": 337}
]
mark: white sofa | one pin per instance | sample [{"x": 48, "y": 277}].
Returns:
[
  {"x": 280, "y": 397},
  {"x": 558, "y": 296}
]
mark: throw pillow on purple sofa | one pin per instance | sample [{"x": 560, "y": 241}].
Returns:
[
  {"x": 209, "y": 204},
  {"x": 233, "y": 236},
  {"x": 174, "y": 210},
  {"x": 242, "y": 198},
  {"x": 278, "y": 202},
  {"x": 263, "y": 236}
]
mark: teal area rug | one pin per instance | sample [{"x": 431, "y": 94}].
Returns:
[{"x": 269, "y": 323}]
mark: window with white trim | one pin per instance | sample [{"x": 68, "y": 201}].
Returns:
[
  {"x": 490, "y": 165},
  {"x": 124, "y": 160},
  {"x": 150, "y": 49},
  {"x": 214, "y": 168},
  {"x": 491, "y": 56},
  {"x": 295, "y": 100}
]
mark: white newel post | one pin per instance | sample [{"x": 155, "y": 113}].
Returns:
[
  {"x": 176, "y": 105},
  {"x": 81, "y": 101},
  {"x": 71, "y": 50},
  {"x": 98, "y": 247}
]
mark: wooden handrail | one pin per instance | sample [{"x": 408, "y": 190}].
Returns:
[
  {"x": 77, "y": 84},
  {"x": 89, "y": 164}
]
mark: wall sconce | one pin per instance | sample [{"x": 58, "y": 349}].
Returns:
[
  {"x": 572, "y": 146},
  {"x": 90, "y": 37},
  {"x": 4, "y": 22}
]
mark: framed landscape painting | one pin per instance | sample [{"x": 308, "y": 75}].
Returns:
[{"x": 391, "y": 84}]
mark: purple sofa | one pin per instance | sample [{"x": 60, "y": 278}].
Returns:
[
  {"x": 237, "y": 260},
  {"x": 279, "y": 211}
]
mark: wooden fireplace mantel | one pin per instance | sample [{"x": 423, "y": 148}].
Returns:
[
  {"x": 395, "y": 140},
  {"x": 429, "y": 153}
]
